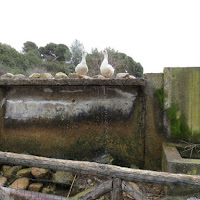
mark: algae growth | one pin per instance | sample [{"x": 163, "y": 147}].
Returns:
[
  {"x": 179, "y": 127},
  {"x": 160, "y": 95}
]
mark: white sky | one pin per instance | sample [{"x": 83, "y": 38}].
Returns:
[{"x": 156, "y": 33}]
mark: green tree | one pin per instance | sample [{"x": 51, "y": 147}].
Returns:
[
  {"x": 94, "y": 60},
  {"x": 33, "y": 60},
  {"x": 76, "y": 50},
  {"x": 139, "y": 70},
  {"x": 58, "y": 52},
  {"x": 48, "y": 50},
  {"x": 29, "y": 46},
  {"x": 57, "y": 57},
  {"x": 62, "y": 52},
  {"x": 11, "y": 60}
]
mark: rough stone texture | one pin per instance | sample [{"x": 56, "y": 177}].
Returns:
[
  {"x": 74, "y": 75},
  {"x": 40, "y": 173},
  {"x": 46, "y": 76},
  {"x": 18, "y": 76},
  {"x": 35, "y": 187},
  {"x": 49, "y": 189},
  {"x": 173, "y": 162},
  {"x": 72, "y": 82},
  {"x": 61, "y": 75},
  {"x": 154, "y": 123},
  {"x": 10, "y": 173},
  {"x": 21, "y": 183},
  {"x": 25, "y": 172},
  {"x": 5, "y": 168},
  {"x": 34, "y": 75},
  {"x": 122, "y": 75},
  {"x": 87, "y": 77},
  {"x": 62, "y": 177},
  {"x": 181, "y": 89},
  {"x": 7, "y": 76},
  {"x": 99, "y": 76},
  {"x": 132, "y": 77},
  {"x": 3, "y": 181}
]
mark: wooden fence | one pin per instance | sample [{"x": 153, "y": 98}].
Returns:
[{"x": 119, "y": 176}]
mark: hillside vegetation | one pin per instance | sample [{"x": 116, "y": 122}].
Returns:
[{"x": 55, "y": 58}]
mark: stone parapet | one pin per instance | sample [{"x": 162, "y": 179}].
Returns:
[{"x": 85, "y": 82}]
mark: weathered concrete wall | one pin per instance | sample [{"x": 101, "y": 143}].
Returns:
[
  {"x": 182, "y": 103},
  {"x": 173, "y": 162},
  {"x": 178, "y": 89},
  {"x": 82, "y": 119},
  {"x": 154, "y": 123},
  {"x": 75, "y": 120}
]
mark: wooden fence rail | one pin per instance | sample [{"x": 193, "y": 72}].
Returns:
[{"x": 119, "y": 175}]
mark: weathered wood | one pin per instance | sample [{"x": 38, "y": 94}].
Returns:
[
  {"x": 80, "y": 167},
  {"x": 132, "y": 191},
  {"x": 4, "y": 195},
  {"x": 100, "y": 190},
  {"x": 29, "y": 195},
  {"x": 117, "y": 193}
]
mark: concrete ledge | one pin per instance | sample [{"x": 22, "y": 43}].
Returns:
[
  {"x": 53, "y": 82},
  {"x": 173, "y": 162}
]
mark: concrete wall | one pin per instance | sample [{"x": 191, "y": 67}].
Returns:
[
  {"x": 75, "y": 120},
  {"x": 83, "y": 119},
  {"x": 172, "y": 162},
  {"x": 182, "y": 103},
  {"x": 154, "y": 124},
  {"x": 172, "y": 110}
]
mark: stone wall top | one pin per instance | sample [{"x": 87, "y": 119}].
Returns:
[{"x": 68, "y": 82}]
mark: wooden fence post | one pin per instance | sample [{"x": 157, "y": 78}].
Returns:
[{"x": 117, "y": 193}]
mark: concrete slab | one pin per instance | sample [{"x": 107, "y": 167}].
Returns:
[{"x": 173, "y": 162}]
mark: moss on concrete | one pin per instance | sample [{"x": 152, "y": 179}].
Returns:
[
  {"x": 122, "y": 150},
  {"x": 85, "y": 141},
  {"x": 160, "y": 95},
  {"x": 182, "y": 88},
  {"x": 154, "y": 123},
  {"x": 179, "y": 127}
]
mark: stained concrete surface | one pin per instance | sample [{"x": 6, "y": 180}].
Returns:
[{"x": 75, "y": 121}]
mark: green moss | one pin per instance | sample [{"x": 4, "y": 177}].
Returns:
[
  {"x": 160, "y": 95},
  {"x": 192, "y": 172},
  {"x": 85, "y": 149},
  {"x": 179, "y": 127},
  {"x": 122, "y": 150}
]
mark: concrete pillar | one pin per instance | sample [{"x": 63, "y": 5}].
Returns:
[
  {"x": 154, "y": 122},
  {"x": 182, "y": 103}
]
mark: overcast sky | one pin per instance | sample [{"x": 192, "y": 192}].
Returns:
[{"x": 156, "y": 33}]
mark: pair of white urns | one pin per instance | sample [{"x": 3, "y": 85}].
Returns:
[{"x": 106, "y": 69}]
